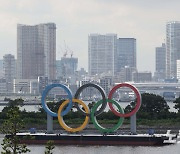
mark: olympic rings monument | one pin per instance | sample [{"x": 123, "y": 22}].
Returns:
[
  {"x": 71, "y": 102},
  {"x": 108, "y": 136}
]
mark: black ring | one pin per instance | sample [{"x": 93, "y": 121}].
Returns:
[{"x": 101, "y": 90}]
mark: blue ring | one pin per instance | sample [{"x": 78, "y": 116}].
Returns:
[{"x": 44, "y": 94}]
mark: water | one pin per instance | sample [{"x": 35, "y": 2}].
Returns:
[
  {"x": 170, "y": 149},
  {"x": 28, "y": 108},
  {"x": 35, "y": 108}
]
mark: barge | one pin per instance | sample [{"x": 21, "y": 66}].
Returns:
[{"x": 97, "y": 139}]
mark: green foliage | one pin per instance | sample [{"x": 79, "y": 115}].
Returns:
[
  {"x": 10, "y": 146},
  {"x": 90, "y": 105},
  {"x": 152, "y": 107},
  {"x": 161, "y": 122},
  {"x": 11, "y": 127},
  {"x": 11, "y": 104},
  {"x": 49, "y": 147},
  {"x": 177, "y": 104},
  {"x": 53, "y": 106}
]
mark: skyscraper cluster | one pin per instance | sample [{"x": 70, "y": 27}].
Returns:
[
  {"x": 172, "y": 48},
  {"x": 168, "y": 54},
  {"x": 109, "y": 54}
]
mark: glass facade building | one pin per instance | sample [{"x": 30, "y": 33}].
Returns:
[
  {"x": 160, "y": 73},
  {"x": 36, "y": 51},
  {"x": 172, "y": 48},
  {"x": 126, "y": 53}
]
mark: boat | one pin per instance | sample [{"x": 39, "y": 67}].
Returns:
[{"x": 97, "y": 139}]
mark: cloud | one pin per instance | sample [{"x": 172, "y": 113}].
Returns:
[{"x": 142, "y": 19}]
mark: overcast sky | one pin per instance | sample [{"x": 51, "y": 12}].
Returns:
[{"x": 144, "y": 20}]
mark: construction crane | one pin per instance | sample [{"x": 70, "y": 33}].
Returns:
[
  {"x": 65, "y": 54},
  {"x": 66, "y": 50},
  {"x": 71, "y": 52}
]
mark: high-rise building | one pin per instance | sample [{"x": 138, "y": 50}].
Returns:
[
  {"x": 1, "y": 69},
  {"x": 160, "y": 73},
  {"x": 178, "y": 70},
  {"x": 9, "y": 70},
  {"x": 9, "y": 67},
  {"x": 101, "y": 53},
  {"x": 172, "y": 48},
  {"x": 36, "y": 51},
  {"x": 126, "y": 53}
]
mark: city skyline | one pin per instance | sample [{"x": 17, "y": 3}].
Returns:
[{"x": 145, "y": 21}]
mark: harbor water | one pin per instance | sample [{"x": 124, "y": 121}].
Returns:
[
  {"x": 171, "y": 149},
  {"x": 35, "y": 108}
]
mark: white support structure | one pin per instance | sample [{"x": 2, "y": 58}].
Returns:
[
  {"x": 133, "y": 124},
  {"x": 49, "y": 124}
]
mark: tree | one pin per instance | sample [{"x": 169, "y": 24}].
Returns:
[
  {"x": 53, "y": 106},
  {"x": 12, "y": 104},
  {"x": 177, "y": 104},
  {"x": 90, "y": 105},
  {"x": 49, "y": 147},
  {"x": 152, "y": 107},
  {"x": 11, "y": 127}
]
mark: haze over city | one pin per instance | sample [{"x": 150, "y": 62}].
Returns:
[
  {"x": 75, "y": 20},
  {"x": 90, "y": 76}
]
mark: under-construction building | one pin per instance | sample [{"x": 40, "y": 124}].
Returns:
[{"x": 67, "y": 67}]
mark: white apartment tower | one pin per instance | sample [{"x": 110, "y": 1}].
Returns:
[
  {"x": 36, "y": 51},
  {"x": 178, "y": 70},
  {"x": 9, "y": 68},
  {"x": 172, "y": 48},
  {"x": 101, "y": 53}
]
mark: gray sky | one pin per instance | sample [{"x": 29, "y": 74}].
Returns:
[{"x": 144, "y": 20}]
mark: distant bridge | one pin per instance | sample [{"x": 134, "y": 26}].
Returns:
[{"x": 156, "y": 88}]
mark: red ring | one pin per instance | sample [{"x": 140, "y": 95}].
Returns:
[{"x": 138, "y": 104}]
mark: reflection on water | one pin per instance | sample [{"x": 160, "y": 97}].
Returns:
[{"x": 174, "y": 149}]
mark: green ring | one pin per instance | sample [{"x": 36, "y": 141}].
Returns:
[{"x": 97, "y": 125}]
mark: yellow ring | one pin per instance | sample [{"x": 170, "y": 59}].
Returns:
[{"x": 61, "y": 121}]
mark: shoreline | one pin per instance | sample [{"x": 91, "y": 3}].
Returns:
[{"x": 125, "y": 129}]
